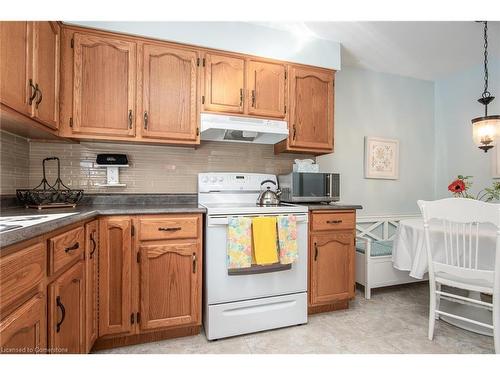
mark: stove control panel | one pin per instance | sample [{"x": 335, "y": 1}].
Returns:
[{"x": 218, "y": 182}]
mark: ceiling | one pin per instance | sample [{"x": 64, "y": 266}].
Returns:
[{"x": 424, "y": 50}]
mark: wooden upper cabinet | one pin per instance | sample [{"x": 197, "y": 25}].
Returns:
[
  {"x": 15, "y": 65},
  {"x": 267, "y": 89},
  {"x": 46, "y": 72},
  {"x": 170, "y": 284},
  {"x": 67, "y": 311},
  {"x": 331, "y": 261},
  {"x": 224, "y": 83},
  {"x": 169, "y": 93},
  {"x": 25, "y": 329},
  {"x": 311, "y": 109},
  {"x": 115, "y": 275},
  {"x": 104, "y": 85}
]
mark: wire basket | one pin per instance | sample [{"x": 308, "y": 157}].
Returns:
[{"x": 46, "y": 195}]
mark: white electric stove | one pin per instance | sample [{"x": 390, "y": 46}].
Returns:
[{"x": 257, "y": 298}]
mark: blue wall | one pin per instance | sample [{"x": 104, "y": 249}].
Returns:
[
  {"x": 368, "y": 103},
  {"x": 456, "y": 104}
]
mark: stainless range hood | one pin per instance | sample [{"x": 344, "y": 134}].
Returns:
[{"x": 242, "y": 129}]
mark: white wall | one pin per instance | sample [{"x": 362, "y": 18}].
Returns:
[
  {"x": 240, "y": 37},
  {"x": 456, "y": 105},
  {"x": 384, "y": 105}
]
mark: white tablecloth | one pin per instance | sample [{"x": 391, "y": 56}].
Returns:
[{"x": 409, "y": 250}]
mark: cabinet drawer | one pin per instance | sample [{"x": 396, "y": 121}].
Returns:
[
  {"x": 65, "y": 248},
  {"x": 333, "y": 220},
  {"x": 163, "y": 228},
  {"x": 21, "y": 271}
]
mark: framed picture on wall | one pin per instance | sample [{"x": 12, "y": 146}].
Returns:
[{"x": 381, "y": 158}]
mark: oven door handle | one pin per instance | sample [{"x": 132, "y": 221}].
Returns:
[{"x": 224, "y": 220}]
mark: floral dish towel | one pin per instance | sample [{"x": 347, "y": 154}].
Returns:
[
  {"x": 287, "y": 239},
  {"x": 239, "y": 242}
]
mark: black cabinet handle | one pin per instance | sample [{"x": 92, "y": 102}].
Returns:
[
  {"x": 315, "y": 251},
  {"x": 34, "y": 89},
  {"x": 63, "y": 313},
  {"x": 40, "y": 98},
  {"x": 294, "y": 132},
  {"x": 253, "y": 98},
  {"x": 194, "y": 262},
  {"x": 145, "y": 119},
  {"x": 334, "y": 221},
  {"x": 241, "y": 97},
  {"x": 71, "y": 248},
  {"x": 173, "y": 229},
  {"x": 130, "y": 119},
  {"x": 94, "y": 245}
]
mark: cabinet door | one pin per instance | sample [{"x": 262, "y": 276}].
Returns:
[
  {"x": 170, "y": 290},
  {"x": 311, "y": 109},
  {"x": 91, "y": 285},
  {"x": 67, "y": 311},
  {"x": 266, "y": 82},
  {"x": 22, "y": 271},
  {"x": 25, "y": 330},
  {"x": 15, "y": 65},
  {"x": 115, "y": 275},
  {"x": 169, "y": 93},
  {"x": 332, "y": 273},
  {"x": 224, "y": 83},
  {"x": 104, "y": 85},
  {"x": 46, "y": 72}
]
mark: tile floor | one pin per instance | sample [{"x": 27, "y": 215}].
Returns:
[{"x": 393, "y": 321}]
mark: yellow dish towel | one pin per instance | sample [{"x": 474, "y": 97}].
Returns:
[{"x": 264, "y": 240}]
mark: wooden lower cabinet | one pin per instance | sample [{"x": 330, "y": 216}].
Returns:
[
  {"x": 149, "y": 277},
  {"x": 91, "y": 283},
  {"x": 67, "y": 311},
  {"x": 129, "y": 285},
  {"x": 25, "y": 329},
  {"x": 115, "y": 276},
  {"x": 170, "y": 279},
  {"x": 331, "y": 264}
]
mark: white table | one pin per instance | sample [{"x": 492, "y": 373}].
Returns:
[{"x": 409, "y": 254}]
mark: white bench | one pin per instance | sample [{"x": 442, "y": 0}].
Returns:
[{"x": 374, "y": 240}]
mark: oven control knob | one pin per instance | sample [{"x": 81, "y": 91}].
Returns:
[
  {"x": 204, "y": 180},
  {"x": 221, "y": 179},
  {"x": 213, "y": 179}
]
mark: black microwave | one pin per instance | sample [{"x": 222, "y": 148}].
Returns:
[{"x": 309, "y": 187}]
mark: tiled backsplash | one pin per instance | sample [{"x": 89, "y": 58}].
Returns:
[
  {"x": 14, "y": 163},
  {"x": 153, "y": 169}
]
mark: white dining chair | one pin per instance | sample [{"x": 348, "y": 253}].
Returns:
[{"x": 460, "y": 221}]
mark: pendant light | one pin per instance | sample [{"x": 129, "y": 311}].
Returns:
[{"x": 485, "y": 129}]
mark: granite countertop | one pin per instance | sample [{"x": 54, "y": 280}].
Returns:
[
  {"x": 116, "y": 204},
  {"x": 335, "y": 206},
  {"x": 87, "y": 212}
]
